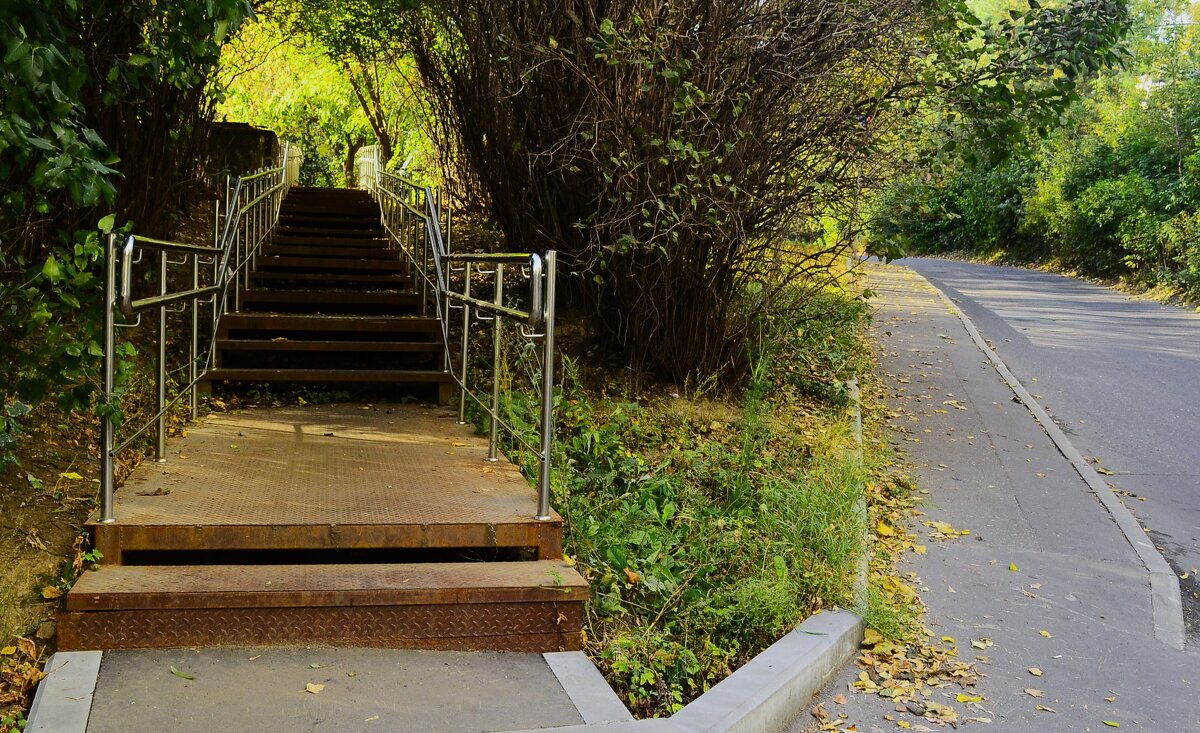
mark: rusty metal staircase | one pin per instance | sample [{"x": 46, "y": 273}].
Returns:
[
  {"x": 386, "y": 525},
  {"x": 331, "y": 302}
]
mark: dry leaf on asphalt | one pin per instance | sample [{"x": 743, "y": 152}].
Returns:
[
  {"x": 1036, "y": 672},
  {"x": 1034, "y": 692},
  {"x": 181, "y": 674},
  {"x": 313, "y": 687}
]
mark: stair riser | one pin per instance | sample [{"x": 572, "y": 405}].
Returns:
[
  {"x": 530, "y": 627},
  {"x": 327, "y": 360}
]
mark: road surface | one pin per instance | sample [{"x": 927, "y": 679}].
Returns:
[{"x": 1120, "y": 375}]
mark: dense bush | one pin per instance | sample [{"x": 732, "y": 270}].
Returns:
[
  {"x": 1113, "y": 191},
  {"x": 101, "y": 123}
]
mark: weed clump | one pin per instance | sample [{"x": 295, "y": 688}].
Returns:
[{"x": 709, "y": 526}]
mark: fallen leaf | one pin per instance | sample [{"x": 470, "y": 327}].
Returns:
[
  {"x": 1033, "y": 692},
  {"x": 840, "y": 699},
  {"x": 181, "y": 674},
  {"x": 1035, "y": 671},
  {"x": 458, "y": 444},
  {"x": 51, "y": 592},
  {"x": 632, "y": 576},
  {"x": 10, "y": 650},
  {"x": 1046, "y": 634},
  {"x": 1013, "y": 567},
  {"x": 1106, "y": 472},
  {"x": 71, "y": 475},
  {"x": 963, "y": 697},
  {"x": 1110, "y": 699},
  {"x": 314, "y": 665},
  {"x": 884, "y": 529},
  {"x": 1111, "y": 723},
  {"x": 871, "y": 637},
  {"x": 1045, "y": 709},
  {"x": 819, "y": 712},
  {"x": 255, "y": 657},
  {"x": 313, "y": 687},
  {"x": 919, "y": 549},
  {"x": 373, "y": 717}
]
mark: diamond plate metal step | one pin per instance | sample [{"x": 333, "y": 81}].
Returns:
[{"x": 531, "y": 606}]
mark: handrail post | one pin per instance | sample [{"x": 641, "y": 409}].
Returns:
[
  {"x": 107, "y": 429},
  {"x": 466, "y": 330},
  {"x": 543, "y": 511},
  {"x": 194, "y": 346},
  {"x": 493, "y": 428},
  {"x": 160, "y": 383}
]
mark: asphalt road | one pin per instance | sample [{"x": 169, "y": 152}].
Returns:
[{"x": 1121, "y": 376}]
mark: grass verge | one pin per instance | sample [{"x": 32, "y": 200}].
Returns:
[{"x": 708, "y": 526}]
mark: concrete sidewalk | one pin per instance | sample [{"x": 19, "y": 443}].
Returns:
[
  {"x": 283, "y": 690},
  {"x": 989, "y": 467}
]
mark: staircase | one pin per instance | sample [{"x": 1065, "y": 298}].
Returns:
[
  {"x": 379, "y": 525},
  {"x": 330, "y": 303}
]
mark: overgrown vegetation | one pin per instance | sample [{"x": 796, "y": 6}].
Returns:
[
  {"x": 708, "y": 525},
  {"x": 1109, "y": 191},
  {"x": 102, "y": 126}
]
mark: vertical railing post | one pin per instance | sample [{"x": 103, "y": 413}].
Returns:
[
  {"x": 160, "y": 439},
  {"x": 194, "y": 346},
  {"x": 107, "y": 428},
  {"x": 466, "y": 330},
  {"x": 493, "y": 427},
  {"x": 543, "y": 511}
]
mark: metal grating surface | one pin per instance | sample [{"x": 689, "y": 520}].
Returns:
[
  {"x": 334, "y": 465},
  {"x": 494, "y": 626}
]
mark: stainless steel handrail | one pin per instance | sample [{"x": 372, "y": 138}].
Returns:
[
  {"x": 412, "y": 216},
  {"x": 251, "y": 211}
]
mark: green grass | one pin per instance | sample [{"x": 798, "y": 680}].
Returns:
[{"x": 709, "y": 527}]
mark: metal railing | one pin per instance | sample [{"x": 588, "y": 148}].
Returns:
[
  {"x": 419, "y": 226},
  {"x": 242, "y": 223}
]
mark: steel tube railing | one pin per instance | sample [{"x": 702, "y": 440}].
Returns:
[
  {"x": 412, "y": 216},
  {"x": 251, "y": 211}
]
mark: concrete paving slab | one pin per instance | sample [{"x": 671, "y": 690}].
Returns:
[
  {"x": 587, "y": 688},
  {"x": 361, "y": 691}
]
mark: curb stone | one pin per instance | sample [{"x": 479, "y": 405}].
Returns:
[
  {"x": 1166, "y": 601},
  {"x": 63, "y": 700},
  {"x": 764, "y": 694}
]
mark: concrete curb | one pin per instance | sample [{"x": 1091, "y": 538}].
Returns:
[
  {"x": 1166, "y": 601},
  {"x": 589, "y": 693},
  {"x": 767, "y": 692},
  {"x": 63, "y": 701}
]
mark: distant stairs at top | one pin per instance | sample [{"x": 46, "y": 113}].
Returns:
[{"x": 330, "y": 303}]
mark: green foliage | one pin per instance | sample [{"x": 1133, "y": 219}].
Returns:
[
  {"x": 1112, "y": 191},
  {"x": 708, "y": 529},
  {"x": 82, "y": 82}
]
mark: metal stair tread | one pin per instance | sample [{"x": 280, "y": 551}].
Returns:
[{"x": 125, "y": 587}]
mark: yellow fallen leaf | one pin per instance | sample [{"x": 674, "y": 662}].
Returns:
[
  {"x": 632, "y": 575},
  {"x": 51, "y": 592},
  {"x": 1034, "y": 692},
  {"x": 903, "y": 724},
  {"x": 871, "y": 637},
  {"x": 1111, "y": 723},
  {"x": 919, "y": 549},
  {"x": 949, "y": 640},
  {"x": 1110, "y": 699},
  {"x": 884, "y": 529},
  {"x": 10, "y": 650},
  {"x": 840, "y": 699},
  {"x": 458, "y": 444},
  {"x": 1046, "y": 634},
  {"x": 313, "y": 687},
  {"x": 1045, "y": 709},
  {"x": 963, "y": 697},
  {"x": 1035, "y": 671},
  {"x": 71, "y": 475},
  {"x": 373, "y": 717},
  {"x": 1013, "y": 567}
]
